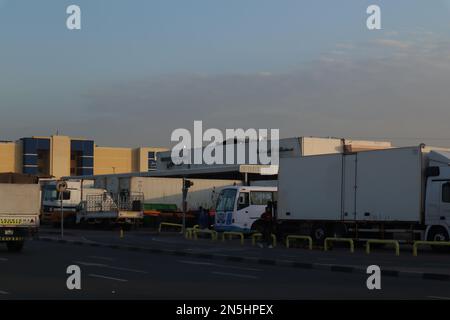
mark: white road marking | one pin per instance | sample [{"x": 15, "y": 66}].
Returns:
[
  {"x": 217, "y": 265},
  {"x": 101, "y": 265},
  {"x": 3, "y": 292},
  {"x": 102, "y": 258},
  {"x": 106, "y": 277},
  {"x": 237, "y": 275},
  {"x": 439, "y": 298},
  {"x": 3, "y": 259},
  {"x": 196, "y": 262}
]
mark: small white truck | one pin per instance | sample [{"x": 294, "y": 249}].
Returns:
[
  {"x": 83, "y": 204},
  {"x": 19, "y": 209}
]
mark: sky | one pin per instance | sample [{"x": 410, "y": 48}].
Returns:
[{"x": 139, "y": 69}]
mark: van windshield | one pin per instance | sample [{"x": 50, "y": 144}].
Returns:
[{"x": 226, "y": 200}]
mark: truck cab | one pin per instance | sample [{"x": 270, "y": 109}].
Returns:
[
  {"x": 239, "y": 207},
  {"x": 437, "y": 203},
  {"x": 72, "y": 198}
]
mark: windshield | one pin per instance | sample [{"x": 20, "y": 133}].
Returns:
[
  {"x": 226, "y": 200},
  {"x": 50, "y": 193}
]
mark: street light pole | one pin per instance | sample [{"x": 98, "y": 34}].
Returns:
[{"x": 62, "y": 214}]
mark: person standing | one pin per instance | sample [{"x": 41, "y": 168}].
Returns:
[{"x": 267, "y": 220}]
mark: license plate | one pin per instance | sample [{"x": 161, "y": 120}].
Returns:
[
  {"x": 10, "y": 221},
  {"x": 9, "y": 232}
]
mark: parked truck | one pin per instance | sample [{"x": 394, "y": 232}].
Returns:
[
  {"x": 19, "y": 209},
  {"x": 398, "y": 193},
  {"x": 82, "y": 203},
  {"x": 168, "y": 191}
]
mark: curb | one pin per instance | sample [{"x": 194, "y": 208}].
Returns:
[{"x": 261, "y": 261}]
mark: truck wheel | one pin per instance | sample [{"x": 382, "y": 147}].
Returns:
[
  {"x": 438, "y": 234},
  {"x": 319, "y": 233},
  {"x": 14, "y": 246}
]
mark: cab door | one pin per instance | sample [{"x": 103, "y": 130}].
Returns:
[
  {"x": 444, "y": 210},
  {"x": 243, "y": 209},
  {"x": 258, "y": 202}
]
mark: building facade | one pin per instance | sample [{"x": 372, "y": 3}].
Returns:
[{"x": 59, "y": 156}]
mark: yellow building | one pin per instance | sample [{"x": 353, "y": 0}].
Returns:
[{"x": 59, "y": 156}]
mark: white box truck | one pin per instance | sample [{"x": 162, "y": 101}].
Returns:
[
  {"x": 398, "y": 193},
  {"x": 19, "y": 209}
]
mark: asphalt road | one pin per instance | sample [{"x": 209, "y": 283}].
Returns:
[
  {"x": 427, "y": 261},
  {"x": 39, "y": 272}
]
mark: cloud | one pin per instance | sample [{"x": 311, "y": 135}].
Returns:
[
  {"x": 392, "y": 43},
  {"x": 381, "y": 88}
]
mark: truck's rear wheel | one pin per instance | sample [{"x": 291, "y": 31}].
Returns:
[
  {"x": 438, "y": 234},
  {"x": 15, "y": 246},
  {"x": 318, "y": 233}
]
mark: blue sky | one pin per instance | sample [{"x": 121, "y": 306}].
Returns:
[{"x": 154, "y": 66}]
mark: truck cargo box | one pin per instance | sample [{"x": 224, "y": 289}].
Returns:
[
  {"x": 19, "y": 199},
  {"x": 381, "y": 185}
]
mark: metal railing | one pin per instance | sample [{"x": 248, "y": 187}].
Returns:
[
  {"x": 394, "y": 242},
  {"x": 348, "y": 240},
  {"x": 298, "y": 237},
  {"x": 230, "y": 234},
  {"x": 431, "y": 243}
]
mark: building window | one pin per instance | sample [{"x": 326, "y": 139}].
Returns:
[{"x": 151, "y": 161}]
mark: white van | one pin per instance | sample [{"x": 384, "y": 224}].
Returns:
[{"x": 238, "y": 207}]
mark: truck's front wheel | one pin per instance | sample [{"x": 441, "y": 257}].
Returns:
[
  {"x": 15, "y": 246},
  {"x": 438, "y": 234}
]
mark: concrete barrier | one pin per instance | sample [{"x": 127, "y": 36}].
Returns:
[
  {"x": 431, "y": 243},
  {"x": 230, "y": 234},
  {"x": 294, "y": 237},
  {"x": 350, "y": 241},
  {"x": 394, "y": 242}
]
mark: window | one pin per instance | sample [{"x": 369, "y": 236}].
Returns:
[
  {"x": 243, "y": 201},
  {"x": 261, "y": 198},
  {"x": 446, "y": 192},
  {"x": 226, "y": 200}
]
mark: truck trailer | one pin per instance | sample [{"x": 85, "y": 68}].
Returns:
[
  {"x": 398, "y": 193},
  {"x": 167, "y": 191},
  {"x": 19, "y": 209}
]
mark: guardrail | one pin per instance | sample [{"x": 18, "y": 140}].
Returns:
[
  {"x": 259, "y": 235},
  {"x": 432, "y": 243},
  {"x": 189, "y": 231},
  {"x": 394, "y": 242},
  {"x": 205, "y": 231},
  {"x": 350, "y": 241},
  {"x": 170, "y": 225},
  {"x": 294, "y": 237},
  {"x": 230, "y": 234}
]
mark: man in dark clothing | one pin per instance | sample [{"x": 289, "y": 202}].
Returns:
[{"x": 267, "y": 220}]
